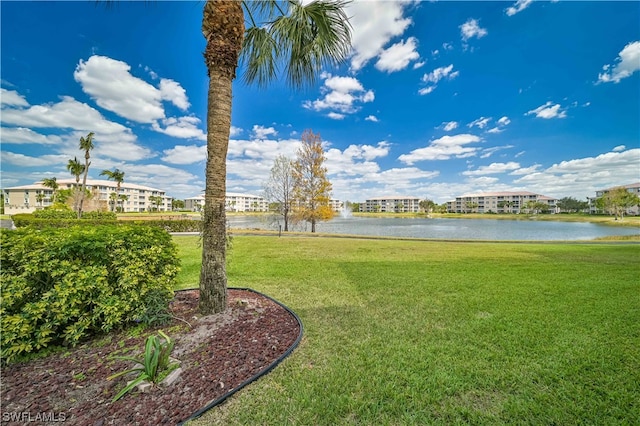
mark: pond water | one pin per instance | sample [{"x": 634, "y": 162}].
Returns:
[{"x": 456, "y": 229}]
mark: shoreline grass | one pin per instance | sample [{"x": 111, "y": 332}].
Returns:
[{"x": 422, "y": 332}]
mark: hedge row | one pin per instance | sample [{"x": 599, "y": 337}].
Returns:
[
  {"x": 183, "y": 225},
  {"x": 62, "y": 285}
]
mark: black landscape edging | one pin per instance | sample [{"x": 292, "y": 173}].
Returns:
[{"x": 270, "y": 367}]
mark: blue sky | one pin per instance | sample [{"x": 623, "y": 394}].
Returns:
[{"x": 438, "y": 99}]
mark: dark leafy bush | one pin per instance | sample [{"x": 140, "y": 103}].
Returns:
[{"x": 61, "y": 285}]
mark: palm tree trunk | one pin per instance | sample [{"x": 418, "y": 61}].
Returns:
[
  {"x": 84, "y": 183},
  {"x": 213, "y": 277},
  {"x": 223, "y": 28}
]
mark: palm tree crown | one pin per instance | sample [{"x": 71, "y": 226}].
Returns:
[{"x": 75, "y": 168}]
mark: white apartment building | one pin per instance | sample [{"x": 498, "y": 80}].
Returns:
[
  {"x": 499, "y": 202},
  {"x": 234, "y": 202},
  {"x": 28, "y": 198},
  {"x": 395, "y": 204},
  {"x": 633, "y": 188}
]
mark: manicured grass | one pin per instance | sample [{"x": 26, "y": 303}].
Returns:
[{"x": 403, "y": 332}]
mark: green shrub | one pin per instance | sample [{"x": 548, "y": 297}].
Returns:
[
  {"x": 179, "y": 225},
  {"x": 54, "y": 214},
  {"x": 61, "y": 285},
  {"x": 99, "y": 215}
]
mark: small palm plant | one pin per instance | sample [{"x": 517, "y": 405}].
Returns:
[{"x": 155, "y": 361}]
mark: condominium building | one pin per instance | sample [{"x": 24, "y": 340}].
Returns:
[
  {"x": 499, "y": 202},
  {"x": 136, "y": 198},
  {"x": 395, "y": 204},
  {"x": 633, "y": 188},
  {"x": 234, "y": 202}
]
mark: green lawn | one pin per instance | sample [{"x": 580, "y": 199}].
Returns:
[{"x": 401, "y": 332}]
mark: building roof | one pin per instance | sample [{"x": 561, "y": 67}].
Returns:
[
  {"x": 90, "y": 182},
  {"x": 393, "y": 197}
]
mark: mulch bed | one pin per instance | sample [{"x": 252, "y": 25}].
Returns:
[{"x": 217, "y": 353}]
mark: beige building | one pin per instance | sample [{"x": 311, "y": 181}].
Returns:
[
  {"x": 499, "y": 202},
  {"x": 234, "y": 202},
  {"x": 396, "y": 204},
  {"x": 28, "y": 198},
  {"x": 633, "y": 188}
]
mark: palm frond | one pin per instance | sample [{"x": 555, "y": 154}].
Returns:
[
  {"x": 259, "y": 55},
  {"x": 305, "y": 38}
]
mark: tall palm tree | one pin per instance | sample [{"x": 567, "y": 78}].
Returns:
[
  {"x": 76, "y": 169},
  {"x": 303, "y": 39},
  {"x": 86, "y": 145},
  {"x": 116, "y": 175},
  {"x": 53, "y": 185}
]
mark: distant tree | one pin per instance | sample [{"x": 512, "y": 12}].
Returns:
[
  {"x": 278, "y": 189},
  {"x": 470, "y": 205},
  {"x": 177, "y": 204},
  {"x": 571, "y": 205},
  {"x": 40, "y": 197},
  {"x": 52, "y": 184},
  {"x": 427, "y": 205},
  {"x": 117, "y": 176},
  {"x": 86, "y": 145},
  {"x": 312, "y": 189},
  {"x": 76, "y": 169},
  {"x": 113, "y": 200},
  {"x": 156, "y": 200},
  {"x": 617, "y": 201}
]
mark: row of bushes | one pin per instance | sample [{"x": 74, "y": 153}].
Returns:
[
  {"x": 68, "y": 214},
  {"x": 32, "y": 220},
  {"x": 62, "y": 285}
]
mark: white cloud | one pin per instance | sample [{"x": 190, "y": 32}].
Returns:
[
  {"x": 12, "y": 98},
  {"x": 342, "y": 94},
  {"x": 627, "y": 63},
  {"x": 172, "y": 91},
  {"x": 235, "y": 131},
  {"x": 22, "y": 160},
  {"x": 419, "y": 64},
  {"x": 493, "y": 168},
  {"x": 182, "y": 154},
  {"x": 583, "y": 176},
  {"x": 471, "y": 28},
  {"x": 526, "y": 170},
  {"x": 398, "y": 56},
  {"x": 112, "y": 86},
  {"x": 488, "y": 152},
  {"x": 427, "y": 90},
  {"x": 480, "y": 123},
  {"x": 443, "y": 149},
  {"x": 518, "y": 6},
  {"x": 449, "y": 125},
  {"x": 504, "y": 121},
  {"x": 619, "y": 148},
  {"x": 23, "y": 135},
  {"x": 66, "y": 114},
  {"x": 181, "y": 127},
  {"x": 336, "y": 116},
  {"x": 374, "y": 24},
  {"x": 439, "y": 73},
  {"x": 372, "y": 118},
  {"x": 435, "y": 76},
  {"x": 548, "y": 110},
  {"x": 261, "y": 132}
]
